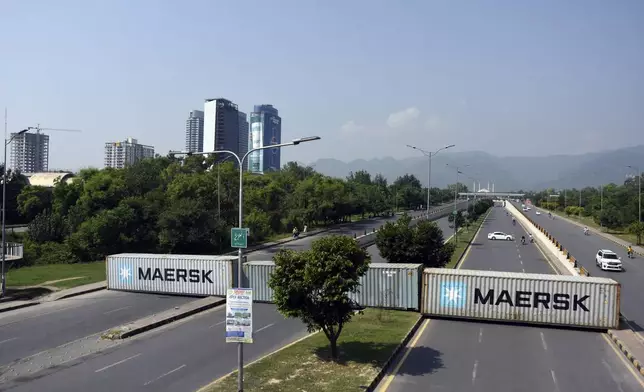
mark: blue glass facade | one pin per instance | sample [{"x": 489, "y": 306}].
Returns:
[{"x": 265, "y": 129}]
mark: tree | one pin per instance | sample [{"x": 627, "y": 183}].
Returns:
[
  {"x": 637, "y": 229},
  {"x": 33, "y": 200},
  {"x": 611, "y": 218},
  {"x": 399, "y": 242},
  {"x": 314, "y": 285}
]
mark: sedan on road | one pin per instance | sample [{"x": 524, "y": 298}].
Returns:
[
  {"x": 499, "y": 235},
  {"x": 538, "y": 212}
]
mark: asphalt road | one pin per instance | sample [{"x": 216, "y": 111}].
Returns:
[
  {"x": 585, "y": 247},
  {"x": 357, "y": 228},
  {"x": 27, "y": 331},
  {"x": 459, "y": 356},
  {"x": 442, "y": 223},
  {"x": 22, "y": 333},
  {"x": 180, "y": 358}
]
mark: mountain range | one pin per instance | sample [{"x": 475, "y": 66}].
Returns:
[{"x": 510, "y": 173}]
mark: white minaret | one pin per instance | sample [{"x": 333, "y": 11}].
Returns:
[
  {"x": 492, "y": 187},
  {"x": 488, "y": 186},
  {"x": 479, "y": 186}
]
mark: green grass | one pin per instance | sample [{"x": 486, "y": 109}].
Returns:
[
  {"x": 463, "y": 241},
  {"x": 590, "y": 222},
  {"x": 364, "y": 346},
  {"x": 37, "y": 275}
]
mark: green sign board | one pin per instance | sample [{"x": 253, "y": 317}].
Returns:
[
  {"x": 239, "y": 237},
  {"x": 455, "y": 212}
]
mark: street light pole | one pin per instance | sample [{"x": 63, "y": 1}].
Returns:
[
  {"x": 4, "y": 212},
  {"x": 429, "y": 155},
  {"x": 456, "y": 194},
  {"x": 295, "y": 142},
  {"x": 639, "y": 186}
]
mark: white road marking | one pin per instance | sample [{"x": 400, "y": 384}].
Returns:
[
  {"x": 476, "y": 365},
  {"x": 116, "y": 310},
  {"x": 165, "y": 374},
  {"x": 117, "y": 363},
  {"x": 523, "y": 269},
  {"x": 7, "y": 340},
  {"x": 264, "y": 327},
  {"x": 480, "y": 335},
  {"x": 613, "y": 375},
  {"x": 554, "y": 379},
  {"x": 219, "y": 323},
  {"x": 543, "y": 341}
]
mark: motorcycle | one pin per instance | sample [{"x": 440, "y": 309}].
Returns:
[
  {"x": 630, "y": 255},
  {"x": 523, "y": 241},
  {"x": 586, "y": 232}
]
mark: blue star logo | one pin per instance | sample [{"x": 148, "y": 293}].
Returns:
[
  {"x": 453, "y": 294},
  {"x": 125, "y": 273}
]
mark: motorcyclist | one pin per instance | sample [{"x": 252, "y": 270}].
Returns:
[
  {"x": 531, "y": 239},
  {"x": 629, "y": 251},
  {"x": 586, "y": 230},
  {"x": 523, "y": 239},
  {"x": 514, "y": 222},
  {"x": 296, "y": 232}
]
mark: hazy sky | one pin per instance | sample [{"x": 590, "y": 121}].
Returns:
[{"x": 369, "y": 76}]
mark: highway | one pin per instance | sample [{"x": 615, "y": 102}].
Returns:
[
  {"x": 22, "y": 333},
  {"x": 77, "y": 317},
  {"x": 584, "y": 248},
  {"x": 27, "y": 331},
  {"x": 357, "y": 228},
  {"x": 457, "y": 356},
  {"x": 442, "y": 223},
  {"x": 181, "y": 357}
]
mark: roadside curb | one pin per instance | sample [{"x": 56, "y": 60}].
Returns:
[
  {"x": 127, "y": 331},
  {"x": 76, "y": 291},
  {"x": 385, "y": 368},
  {"x": 638, "y": 365},
  {"x": 18, "y": 306},
  {"x": 598, "y": 232}
]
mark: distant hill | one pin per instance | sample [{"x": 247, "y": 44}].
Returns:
[{"x": 508, "y": 173}]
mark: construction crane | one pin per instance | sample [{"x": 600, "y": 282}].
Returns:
[{"x": 37, "y": 128}]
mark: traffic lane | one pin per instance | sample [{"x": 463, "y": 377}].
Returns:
[
  {"x": 180, "y": 358},
  {"x": 584, "y": 248},
  {"x": 375, "y": 253},
  {"x": 31, "y": 330},
  {"x": 457, "y": 356},
  {"x": 304, "y": 243},
  {"x": 501, "y": 255}
]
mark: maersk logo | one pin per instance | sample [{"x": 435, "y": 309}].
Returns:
[
  {"x": 125, "y": 273},
  {"x": 453, "y": 294}
]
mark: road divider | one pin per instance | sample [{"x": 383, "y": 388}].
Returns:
[
  {"x": 566, "y": 263},
  {"x": 157, "y": 320}
]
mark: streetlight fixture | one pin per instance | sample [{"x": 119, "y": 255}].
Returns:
[
  {"x": 240, "y": 161},
  {"x": 639, "y": 186},
  {"x": 430, "y": 154},
  {"x": 458, "y": 171},
  {"x": 4, "y": 210}
]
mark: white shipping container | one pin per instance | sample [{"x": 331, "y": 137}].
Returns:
[
  {"x": 170, "y": 274},
  {"x": 577, "y": 301}
]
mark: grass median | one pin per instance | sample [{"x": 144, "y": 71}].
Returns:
[
  {"x": 464, "y": 238},
  {"x": 61, "y": 276},
  {"x": 364, "y": 346}
]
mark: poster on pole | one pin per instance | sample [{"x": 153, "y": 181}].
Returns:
[{"x": 239, "y": 316}]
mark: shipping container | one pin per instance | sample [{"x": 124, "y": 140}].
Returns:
[
  {"x": 171, "y": 274},
  {"x": 392, "y": 286},
  {"x": 257, "y": 274},
  {"x": 577, "y": 301}
]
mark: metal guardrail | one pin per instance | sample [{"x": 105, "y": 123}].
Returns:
[{"x": 13, "y": 250}]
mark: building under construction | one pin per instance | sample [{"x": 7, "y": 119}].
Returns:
[{"x": 30, "y": 152}]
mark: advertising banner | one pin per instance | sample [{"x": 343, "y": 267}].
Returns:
[
  {"x": 239, "y": 316},
  {"x": 257, "y": 141}
]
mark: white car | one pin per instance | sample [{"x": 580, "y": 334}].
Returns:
[
  {"x": 499, "y": 235},
  {"x": 538, "y": 212},
  {"x": 608, "y": 260}
]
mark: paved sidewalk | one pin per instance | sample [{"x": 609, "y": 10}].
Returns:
[
  {"x": 638, "y": 249},
  {"x": 632, "y": 346}
]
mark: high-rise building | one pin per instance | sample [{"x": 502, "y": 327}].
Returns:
[
  {"x": 121, "y": 154},
  {"x": 220, "y": 126},
  {"x": 30, "y": 152},
  {"x": 194, "y": 131},
  {"x": 243, "y": 136},
  {"x": 265, "y": 129}
]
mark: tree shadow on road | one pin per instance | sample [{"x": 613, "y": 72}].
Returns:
[
  {"x": 28, "y": 293},
  {"x": 421, "y": 360}
]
